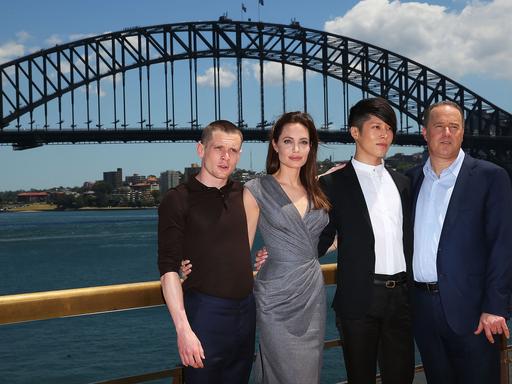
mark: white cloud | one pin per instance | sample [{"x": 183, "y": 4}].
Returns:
[
  {"x": 110, "y": 79},
  {"x": 248, "y": 67},
  {"x": 79, "y": 64},
  {"x": 272, "y": 72},
  {"x": 65, "y": 66},
  {"x": 53, "y": 40},
  {"x": 14, "y": 48},
  {"x": 11, "y": 50},
  {"x": 80, "y": 36},
  {"x": 102, "y": 92},
  {"x": 475, "y": 40},
  {"x": 226, "y": 77},
  {"x": 93, "y": 90},
  {"x": 134, "y": 41},
  {"x": 22, "y": 36},
  {"x": 57, "y": 39}
]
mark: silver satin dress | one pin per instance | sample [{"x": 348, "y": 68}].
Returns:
[{"x": 289, "y": 289}]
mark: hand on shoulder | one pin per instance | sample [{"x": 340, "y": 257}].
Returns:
[{"x": 333, "y": 169}]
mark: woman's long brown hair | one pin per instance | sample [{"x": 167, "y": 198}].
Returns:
[{"x": 308, "y": 175}]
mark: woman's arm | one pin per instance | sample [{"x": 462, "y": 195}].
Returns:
[
  {"x": 252, "y": 213},
  {"x": 332, "y": 248}
]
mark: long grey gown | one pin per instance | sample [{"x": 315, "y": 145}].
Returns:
[{"x": 289, "y": 289}]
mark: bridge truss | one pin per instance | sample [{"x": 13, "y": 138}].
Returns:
[{"x": 142, "y": 84}]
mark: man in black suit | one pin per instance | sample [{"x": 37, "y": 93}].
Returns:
[{"x": 371, "y": 216}]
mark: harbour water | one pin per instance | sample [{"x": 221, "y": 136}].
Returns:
[{"x": 43, "y": 251}]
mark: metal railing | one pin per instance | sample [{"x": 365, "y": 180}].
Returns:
[{"x": 84, "y": 301}]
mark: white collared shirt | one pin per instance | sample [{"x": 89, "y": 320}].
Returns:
[
  {"x": 431, "y": 207},
  {"x": 385, "y": 209}
]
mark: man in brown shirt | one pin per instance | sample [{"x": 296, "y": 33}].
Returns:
[{"x": 203, "y": 220}]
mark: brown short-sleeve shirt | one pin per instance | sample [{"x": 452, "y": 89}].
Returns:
[{"x": 207, "y": 226}]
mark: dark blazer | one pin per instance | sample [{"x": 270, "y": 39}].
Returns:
[
  {"x": 474, "y": 257},
  {"x": 350, "y": 219}
]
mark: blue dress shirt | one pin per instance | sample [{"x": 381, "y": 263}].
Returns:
[{"x": 431, "y": 207}]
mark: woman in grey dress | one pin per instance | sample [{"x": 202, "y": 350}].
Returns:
[{"x": 290, "y": 211}]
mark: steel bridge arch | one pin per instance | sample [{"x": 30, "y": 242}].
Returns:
[{"x": 36, "y": 79}]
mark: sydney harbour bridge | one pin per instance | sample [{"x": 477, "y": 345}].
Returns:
[{"x": 164, "y": 82}]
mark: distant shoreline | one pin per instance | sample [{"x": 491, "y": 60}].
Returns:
[
  {"x": 31, "y": 208},
  {"x": 112, "y": 208}
]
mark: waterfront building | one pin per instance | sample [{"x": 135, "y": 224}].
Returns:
[
  {"x": 87, "y": 185},
  {"x": 168, "y": 179},
  {"x": 191, "y": 171},
  {"x": 243, "y": 175},
  {"x": 32, "y": 197},
  {"x": 142, "y": 191},
  {"x": 114, "y": 178},
  {"x": 135, "y": 179},
  {"x": 134, "y": 194}
]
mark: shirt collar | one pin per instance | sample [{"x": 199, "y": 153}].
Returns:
[
  {"x": 372, "y": 169},
  {"x": 453, "y": 169},
  {"x": 196, "y": 185}
]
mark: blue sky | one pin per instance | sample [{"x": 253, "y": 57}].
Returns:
[{"x": 468, "y": 41}]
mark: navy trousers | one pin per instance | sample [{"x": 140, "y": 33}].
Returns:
[
  {"x": 226, "y": 330},
  {"x": 449, "y": 358}
]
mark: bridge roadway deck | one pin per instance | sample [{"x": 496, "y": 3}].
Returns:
[{"x": 34, "y": 138}]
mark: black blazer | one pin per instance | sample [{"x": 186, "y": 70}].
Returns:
[{"x": 350, "y": 219}]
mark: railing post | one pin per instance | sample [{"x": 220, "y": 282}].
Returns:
[
  {"x": 178, "y": 378},
  {"x": 504, "y": 361}
]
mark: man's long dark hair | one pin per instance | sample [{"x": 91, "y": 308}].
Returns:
[{"x": 364, "y": 109}]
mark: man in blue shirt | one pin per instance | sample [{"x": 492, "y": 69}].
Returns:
[{"x": 462, "y": 261}]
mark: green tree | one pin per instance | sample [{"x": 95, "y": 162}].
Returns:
[
  {"x": 102, "y": 191},
  {"x": 156, "y": 197},
  {"x": 100, "y": 187},
  {"x": 67, "y": 201}
]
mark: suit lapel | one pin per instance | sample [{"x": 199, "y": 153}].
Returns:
[
  {"x": 399, "y": 185},
  {"x": 403, "y": 186},
  {"x": 417, "y": 180},
  {"x": 457, "y": 196},
  {"x": 357, "y": 194}
]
